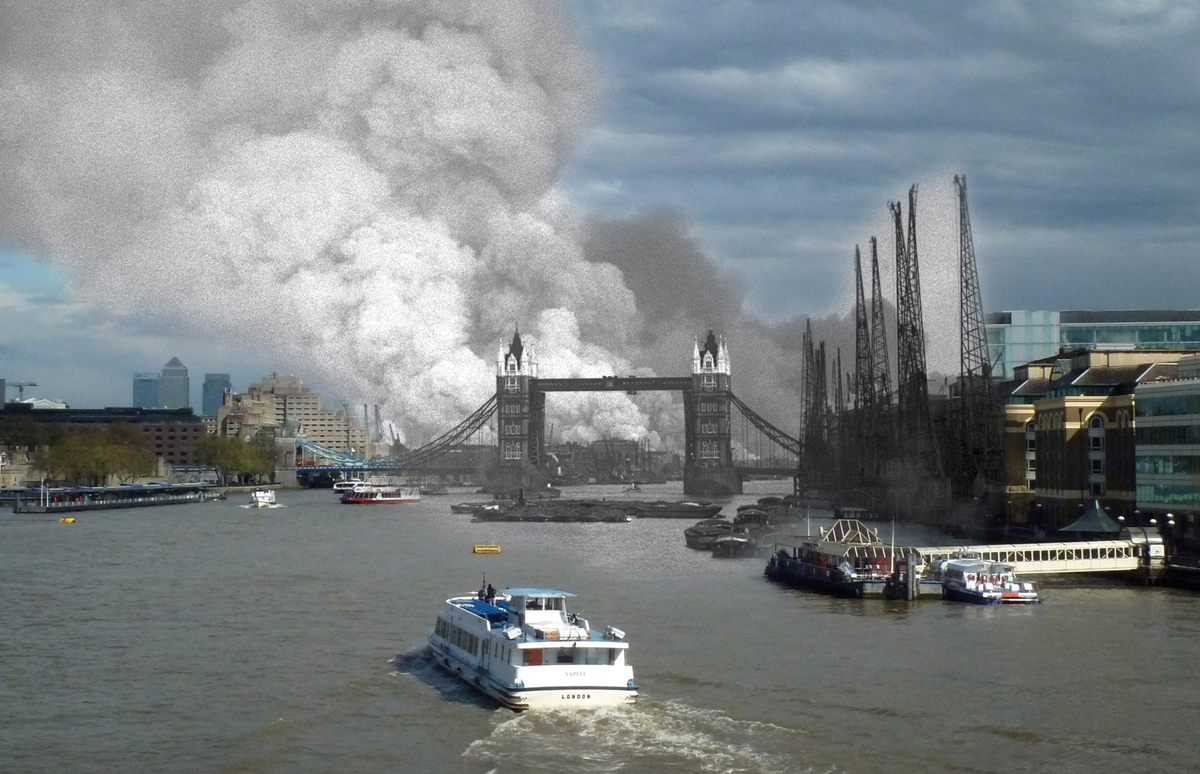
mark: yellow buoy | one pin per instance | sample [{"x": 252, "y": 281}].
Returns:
[
  {"x": 487, "y": 548},
  {"x": 67, "y": 520}
]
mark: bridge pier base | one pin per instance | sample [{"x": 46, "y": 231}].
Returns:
[{"x": 711, "y": 481}]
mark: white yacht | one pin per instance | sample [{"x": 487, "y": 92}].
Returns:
[
  {"x": 523, "y": 649},
  {"x": 262, "y": 498}
]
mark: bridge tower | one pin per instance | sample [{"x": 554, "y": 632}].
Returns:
[
  {"x": 519, "y": 410},
  {"x": 708, "y": 467}
]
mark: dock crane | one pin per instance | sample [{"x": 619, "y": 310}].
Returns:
[{"x": 20, "y": 389}]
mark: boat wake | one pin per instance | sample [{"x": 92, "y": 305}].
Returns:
[
  {"x": 273, "y": 505},
  {"x": 646, "y": 737},
  {"x": 418, "y": 664}
]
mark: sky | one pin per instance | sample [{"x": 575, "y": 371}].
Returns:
[{"x": 372, "y": 194}]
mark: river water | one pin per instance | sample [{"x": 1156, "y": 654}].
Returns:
[{"x": 212, "y": 638}]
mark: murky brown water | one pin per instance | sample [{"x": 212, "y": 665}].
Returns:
[{"x": 215, "y": 638}]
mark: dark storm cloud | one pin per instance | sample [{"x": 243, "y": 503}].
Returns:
[{"x": 783, "y": 128}]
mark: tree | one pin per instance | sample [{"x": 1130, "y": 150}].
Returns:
[
  {"x": 235, "y": 457},
  {"x": 91, "y": 455}
]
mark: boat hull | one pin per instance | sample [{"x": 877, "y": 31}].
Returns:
[
  {"x": 520, "y": 699},
  {"x": 350, "y": 500},
  {"x": 550, "y": 697},
  {"x": 674, "y": 511}
]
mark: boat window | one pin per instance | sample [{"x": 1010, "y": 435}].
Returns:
[
  {"x": 533, "y": 603},
  {"x": 612, "y": 656},
  {"x": 566, "y": 656}
]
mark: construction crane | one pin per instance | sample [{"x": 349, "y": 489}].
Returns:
[{"x": 21, "y": 388}]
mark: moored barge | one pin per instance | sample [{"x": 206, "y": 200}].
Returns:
[{"x": 99, "y": 498}]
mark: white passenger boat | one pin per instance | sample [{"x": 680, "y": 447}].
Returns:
[
  {"x": 346, "y": 486},
  {"x": 985, "y": 583},
  {"x": 262, "y": 498},
  {"x": 526, "y": 651},
  {"x": 381, "y": 493}
]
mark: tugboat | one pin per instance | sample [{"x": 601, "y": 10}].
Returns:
[{"x": 524, "y": 649}]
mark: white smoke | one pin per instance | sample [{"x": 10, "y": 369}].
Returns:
[{"x": 364, "y": 188}]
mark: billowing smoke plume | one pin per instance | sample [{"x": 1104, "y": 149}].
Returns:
[
  {"x": 364, "y": 185},
  {"x": 364, "y": 189}
]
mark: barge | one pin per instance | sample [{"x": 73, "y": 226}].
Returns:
[{"x": 99, "y": 498}]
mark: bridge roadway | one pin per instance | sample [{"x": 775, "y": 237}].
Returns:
[
  {"x": 1055, "y": 558},
  {"x": 614, "y": 383}
]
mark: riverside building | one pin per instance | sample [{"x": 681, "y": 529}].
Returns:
[
  {"x": 287, "y": 408},
  {"x": 1069, "y": 432},
  {"x": 1019, "y": 337},
  {"x": 171, "y": 433},
  {"x": 1168, "y": 449}
]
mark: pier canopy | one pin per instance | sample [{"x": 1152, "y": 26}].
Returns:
[{"x": 1094, "y": 521}]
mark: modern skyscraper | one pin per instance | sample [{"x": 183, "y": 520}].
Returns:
[
  {"x": 174, "y": 390},
  {"x": 145, "y": 391},
  {"x": 213, "y": 396}
]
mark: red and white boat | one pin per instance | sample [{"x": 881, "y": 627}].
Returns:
[{"x": 373, "y": 492}]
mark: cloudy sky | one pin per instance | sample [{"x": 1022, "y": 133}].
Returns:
[{"x": 769, "y": 136}]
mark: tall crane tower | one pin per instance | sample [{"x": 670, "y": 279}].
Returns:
[
  {"x": 882, "y": 432},
  {"x": 978, "y": 426},
  {"x": 864, "y": 376},
  {"x": 914, "y": 422}
]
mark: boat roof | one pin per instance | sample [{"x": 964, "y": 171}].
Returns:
[{"x": 537, "y": 593}]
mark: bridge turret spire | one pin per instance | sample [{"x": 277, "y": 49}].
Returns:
[
  {"x": 518, "y": 361},
  {"x": 712, "y": 358}
]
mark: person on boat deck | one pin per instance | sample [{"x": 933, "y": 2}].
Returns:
[
  {"x": 482, "y": 592},
  {"x": 491, "y": 594}
]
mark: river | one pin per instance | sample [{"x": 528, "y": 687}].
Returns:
[{"x": 213, "y": 638}]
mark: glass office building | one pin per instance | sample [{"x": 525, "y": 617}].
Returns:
[
  {"x": 145, "y": 391},
  {"x": 173, "y": 387},
  {"x": 213, "y": 396},
  {"x": 1167, "y": 433},
  {"x": 1016, "y": 338}
]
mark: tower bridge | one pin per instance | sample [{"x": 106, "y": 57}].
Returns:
[{"x": 519, "y": 408}]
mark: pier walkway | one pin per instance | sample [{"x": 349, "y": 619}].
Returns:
[{"x": 1142, "y": 549}]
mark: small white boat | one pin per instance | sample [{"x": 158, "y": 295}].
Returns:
[
  {"x": 523, "y": 649},
  {"x": 984, "y": 583},
  {"x": 263, "y": 498},
  {"x": 346, "y": 486}
]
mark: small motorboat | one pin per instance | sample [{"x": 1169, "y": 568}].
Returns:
[{"x": 262, "y": 498}]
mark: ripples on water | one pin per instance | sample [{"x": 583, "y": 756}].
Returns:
[{"x": 214, "y": 638}]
